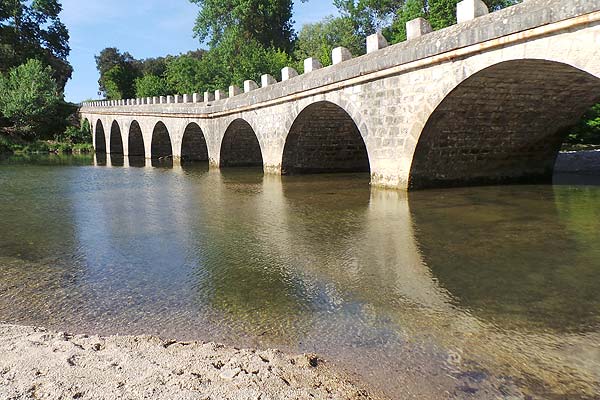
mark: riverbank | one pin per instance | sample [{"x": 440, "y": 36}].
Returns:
[{"x": 37, "y": 363}]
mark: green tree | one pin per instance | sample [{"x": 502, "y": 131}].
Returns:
[
  {"x": 369, "y": 16},
  {"x": 119, "y": 82},
  {"x": 319, "y": 39},
  {"x": 32, "y": 29},
  {"x": 151, "y": 85},
  {"x": 29, "y": 95},
  {"x": 587, "y": 131},
  {"x": 267, "y": 21},
  {"x": 118, "y": 72},
  {"x": 185, "y": 74}
]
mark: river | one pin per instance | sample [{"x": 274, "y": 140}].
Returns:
[{"x": 487, "y": 292}]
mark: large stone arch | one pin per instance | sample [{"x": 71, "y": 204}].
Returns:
[
  {"x": 193, "y": 144},
  {"x": 161, "y": 142},
  {"x": 505, "y": 123},
  {"x": 99, "y": 137},
  {"x": 116, "y": 139},
  {"x": 136, "y": 144},
  {"x": 240, "y": 146},
  {"x": 324, "y": 138}
]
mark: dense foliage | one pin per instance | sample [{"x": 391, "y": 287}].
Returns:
[
  {"x": 32, "y": 29},
  {"x": 29, "y": 95}
]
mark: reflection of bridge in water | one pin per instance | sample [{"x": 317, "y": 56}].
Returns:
[
  {"x": 487, "y": 100},
  {"x": 429, "y": 261}
]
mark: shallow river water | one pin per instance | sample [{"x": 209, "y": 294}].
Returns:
[{"x": 489, "y": 292}]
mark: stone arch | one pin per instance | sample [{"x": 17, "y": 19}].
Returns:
[
  {"x": 503, "y": 124},
  {"x": 136, "y": 140},
  {"x": 100, "y": 138},
  {"x": 240, "y": 146},
  {"x": 116, "y": 140},
  {"x": 161, "y": 142},
  {"x": 193, "y": 144},
  {"x": 324, "y": 138}
]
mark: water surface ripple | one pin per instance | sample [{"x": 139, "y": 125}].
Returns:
[{"x": 488, "y": 292}]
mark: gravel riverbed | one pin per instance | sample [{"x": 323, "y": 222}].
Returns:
[{"x": 36, "y": 363}]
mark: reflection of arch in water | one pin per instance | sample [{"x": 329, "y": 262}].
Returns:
[{"x": 527, "y": 272}]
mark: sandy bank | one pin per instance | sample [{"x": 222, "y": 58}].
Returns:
[{"x": 39, "y": 364}]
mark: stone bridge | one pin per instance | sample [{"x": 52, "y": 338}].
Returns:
[{"x": 488, "y": 100}]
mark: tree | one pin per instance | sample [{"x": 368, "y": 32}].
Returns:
[
  {"x": 319, "y": 39},
  {"x": 267, "y": 21},
  {"x": 369, "y": 16},
  {"x": 29, "y": 95},
  {"x": 32, "y": 29},
  {"x": 119, "y": 82},
  {"x": 150, "y": 86},
  {"x": 587, "y": 131},
  {"x": 118, "y": 72}
]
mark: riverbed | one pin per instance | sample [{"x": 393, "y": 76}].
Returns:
[{"x": 488, "y": 292}]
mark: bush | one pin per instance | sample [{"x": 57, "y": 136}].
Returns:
[{"x": 29, "y": 95}]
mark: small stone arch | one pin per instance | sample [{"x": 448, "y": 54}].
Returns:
[
  {"x": 240, "y": 146},
  {"x": 161, "y": 142},
  {"x": 116, "y": 140},
  {"x": 100, "y": 138},
  {"x": 193, "y": 144},
  {"x": 503, "y": 124},
  {"x": 324, "y": 138},
  {"x": 136, "y": 146}
]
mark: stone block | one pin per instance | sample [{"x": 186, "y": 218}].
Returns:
[
  {"x": 267, "y": 80},
  {"x": 340, "y": 54},
  {"x": 169, "y": 99},
  {"x": 288, "y": 73},
  {"x": 220, "y": 95},
  {"x": 234, "y": 90},
  {"x": 250, "y": 86},
  {"x": 196, "y": 98},
  {"x": 187, "y": 98},
  {"x": 312, "y": 64},
  {"x": 467, "y": 10},
  {"x": 162, "y": 99},
  {"x": 208, "y": 96},
  {"x": 376, "y": 42},
  {"x": 155, "y": 100},
  {"x": 177, "y": 98},
  {"x": 417, "y": 27}
]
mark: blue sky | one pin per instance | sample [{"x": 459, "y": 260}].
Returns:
[{"x": 145, "y": 28}]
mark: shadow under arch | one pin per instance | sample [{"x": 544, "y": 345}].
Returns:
[
  {"x": 193, "y": 144},
  {"x": 161, "y": 142},
  {"x": 100, "y": 138},
  {"x": 504, "y": 124},
  {"x": 136, "y": 140},
  {"x": 240, "y": 146},
  {"x": 116, "y": 140},
  {"x": 323, "y": 139}
]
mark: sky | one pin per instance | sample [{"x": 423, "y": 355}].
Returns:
[{"x": 144, "y": 28}]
